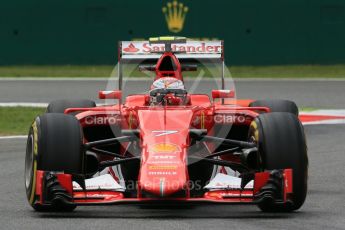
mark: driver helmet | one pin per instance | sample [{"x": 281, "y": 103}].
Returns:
[{"x": 169, "y": 83}]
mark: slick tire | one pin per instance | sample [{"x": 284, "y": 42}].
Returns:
[
  {"x": 277, "y": 105},
  {"x": 54, "y": 144},
  {"x": 59, "y": 106},
  {"x": 281, "y": 143}
]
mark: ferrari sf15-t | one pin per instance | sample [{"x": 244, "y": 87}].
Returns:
[{"x": 170, "y": 144}]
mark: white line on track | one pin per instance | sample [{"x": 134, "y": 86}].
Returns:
[
  {"x": 326, "y": 112},
  {"x": 23, "y": 104},
  {"x": 13, "y": 137},
  {"x": 53, "y": 79},
  {"x": 29, "y": 104},
  {"x": 326, "y": 122}
]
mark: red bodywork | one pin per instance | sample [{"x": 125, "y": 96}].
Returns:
[{"x": 161, "y": 137}]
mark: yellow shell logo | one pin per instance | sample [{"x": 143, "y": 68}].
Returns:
[
  {"x": 164, "y": 148},
  {"x": 175, "y": 15}
]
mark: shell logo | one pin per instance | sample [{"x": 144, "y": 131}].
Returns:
[{"x": 164, "y": 148}]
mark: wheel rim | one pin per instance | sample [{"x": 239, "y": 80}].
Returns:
[
  {"x": 254, "y": 139},
  {"x": 29, "y": 161}
]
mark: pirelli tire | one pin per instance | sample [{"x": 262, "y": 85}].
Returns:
[
  {"x": 277, "y": 105},
  {"x": 54, "y": 144},
  {"x": 59, "y": 106},
  {"x": 282, "y": 144}
]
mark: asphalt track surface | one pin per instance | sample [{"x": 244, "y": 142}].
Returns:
[
  {"x": 306, "y": 93},
  {"x": 323, "y": 209}
]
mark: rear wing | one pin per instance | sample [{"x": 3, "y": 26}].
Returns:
[
  {"x": 188, "y": 49},
  {"x": 180, "y": 46}
]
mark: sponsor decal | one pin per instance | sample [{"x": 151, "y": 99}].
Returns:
[
  {"x": 193, "y": 48},
  {"x": 162, "y": 167},
  {"x": 175, "y": 15},
  {"x": 100, "y": 120},
  {"x": 229, "y": 119},
  {"x": 164, "y": 162},
  {"x": 197, "y": 47},
  {"x": 164, "y": 148},
  {"x": 159, "y": 159},
  {"x": 162, "y": 173},
  {"x": 163, "y": 157},
  {"x": 131, "y": 48}
]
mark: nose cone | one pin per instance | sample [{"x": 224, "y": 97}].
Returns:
[
  {"x": 163, "y": 169},
  {"x": 162, "y": 180}
]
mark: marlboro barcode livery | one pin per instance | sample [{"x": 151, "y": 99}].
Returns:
[{"x": 169, "y": 144}]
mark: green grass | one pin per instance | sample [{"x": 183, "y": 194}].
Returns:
[
  {"x": 289, "y": 71},
  {"x": 56, "y": 71},
  {"x": 17, "y": 120}
]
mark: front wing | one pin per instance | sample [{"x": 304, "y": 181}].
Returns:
[{"x": 269, "y": 186}]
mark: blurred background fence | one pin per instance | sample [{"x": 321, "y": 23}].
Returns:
[{"x": 83, "y": 32}]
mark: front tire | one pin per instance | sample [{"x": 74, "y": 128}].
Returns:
[
  {"x": 54, "y": 144},
  {"x": 282, "y": 144}
]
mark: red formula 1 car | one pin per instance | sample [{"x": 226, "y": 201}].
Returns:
[{"x": 168, "y": 145}]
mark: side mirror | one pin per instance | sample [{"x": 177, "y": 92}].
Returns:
[
  {"x": 223, "y": 94},
  {"x": 111, "y": 94}
]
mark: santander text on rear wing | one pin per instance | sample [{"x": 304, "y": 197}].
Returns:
[{"x": 186, "y": 49}]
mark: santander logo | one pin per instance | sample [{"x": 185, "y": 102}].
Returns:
[
  {"x": 189, "y": 47},
  {"x": 131, "y": 49}
]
